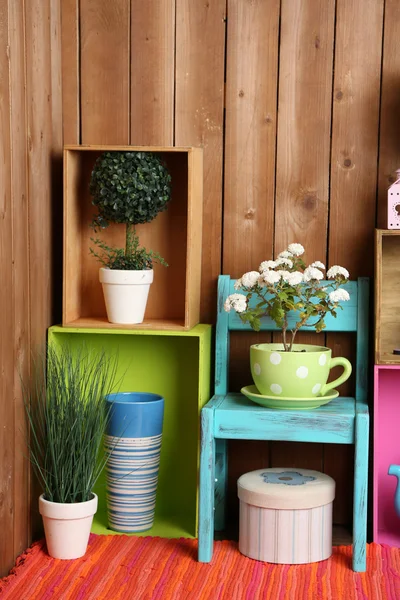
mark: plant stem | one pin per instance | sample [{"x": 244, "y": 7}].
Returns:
[
  {"x": 130, "y": 239},
  {"x": 293, "y": 336},
  {"x": 284, "y": 329},
  {"x": 296, "y": 329}
]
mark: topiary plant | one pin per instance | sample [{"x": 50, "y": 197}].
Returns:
[{"x": 131, "y": 188}]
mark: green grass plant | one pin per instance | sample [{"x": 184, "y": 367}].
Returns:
[{"x": 67, "y": 418}]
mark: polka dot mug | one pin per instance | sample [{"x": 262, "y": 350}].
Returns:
[{"x": 301, "y": 373}]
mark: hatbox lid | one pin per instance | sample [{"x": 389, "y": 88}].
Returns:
[{"x": 286, "y": 488}]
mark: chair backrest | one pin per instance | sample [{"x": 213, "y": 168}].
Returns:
[{"x": 353, "y": 318}]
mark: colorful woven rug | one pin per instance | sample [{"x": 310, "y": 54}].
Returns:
[{"x": 129, "y": 568}]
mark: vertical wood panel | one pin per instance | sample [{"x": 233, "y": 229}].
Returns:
[
  {"x": 20, "y": 256},
  {"x": 6, "y": 311},
  {"x": 389, "y": 148},
  {"x": 250, "y": 138},
  {"x": 70, "y": 70},
  {"x": 105, "y": 55},
  {"x": 152, "y": 72},
  {"x": 355, "y": 134},
  {"x": 56, "y": 81},
  {"x": 39, "y": 124},
  {"x": 199, "y": 96},
  {"x": 303, "y": 155},
  {"x": 249, "y": 181},
  {"x": 303, "y": 144},
  {"x": 353, "y": 174},
  {"x": 152, "y": 95},
  {"x": 56, "y": 159},
  {"x": 30, "y": 118}
]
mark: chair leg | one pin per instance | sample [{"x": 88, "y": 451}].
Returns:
[
  {"x": 221, "y": 471},
  {"x": 360, "y": 491},
  {"x": 207, "y": 483}
]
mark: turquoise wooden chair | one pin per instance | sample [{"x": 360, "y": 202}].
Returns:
[{"x": 230, "y": 416}]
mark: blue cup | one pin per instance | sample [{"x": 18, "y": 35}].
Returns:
[{"x": 133, "y": 445}]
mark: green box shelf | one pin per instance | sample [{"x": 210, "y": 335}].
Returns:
[{"x": 176, "y": 365}]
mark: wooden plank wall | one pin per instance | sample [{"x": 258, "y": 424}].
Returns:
[
  {"x": 284, "y": 96},
  {"x": 30, "y": 170},
  {"x": 296, "y": 104}
]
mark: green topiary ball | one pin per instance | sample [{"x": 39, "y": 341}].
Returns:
[{"x": 129, "y": 187}]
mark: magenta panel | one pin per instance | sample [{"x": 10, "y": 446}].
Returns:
[{"x": 386, "y": 452}]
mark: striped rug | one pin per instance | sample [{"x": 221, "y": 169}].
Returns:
[{"x": 132, "y": 568}]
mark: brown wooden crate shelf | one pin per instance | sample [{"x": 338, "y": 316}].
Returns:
[
  {"x": 387, "y": 296},
  {"x": 174, "y": 299},
  {"x": 156, "y": 324}
]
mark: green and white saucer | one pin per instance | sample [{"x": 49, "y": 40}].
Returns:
[{"x": 280, "y": 402}]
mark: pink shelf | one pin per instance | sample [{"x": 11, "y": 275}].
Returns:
[{"x": 386, "y": 452}]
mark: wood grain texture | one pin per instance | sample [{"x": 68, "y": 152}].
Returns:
[
  {"x": 6, "y": 311},
  {"x": 303, "y": 155},
  {"x": 387, "y": 327},
  {"x": 360, "y": 489},
  {"x": 39, "y": 122},
  {"x": 249, "y": 175},
  {"x": 20, "y": 256},
  {"x": 236, "y": 418},
  {"x": 389, "y": 143},
  {"x": 30, "y": 122},
  {"x": 152, "y": 72},
  {"x": 206, "y": 485},
  {"x": 56, "y": 157},
  {"x": 105, "y": 35},
  {"x": 221, "y": 481},
  {"x": 250, "y": 134},
  {"x": 303, "y": 142},
  {"x": 70, "y": 71},
  {"x": 175, "y": 234},
  {"x": 355, "y": 122},
  {"x": 56, "y": 74},
  {"x": 199, "y": 98},
  {"x": 355, "y": 134},
  {"x": 39, "y": 141},
  {"x": 378, "y": 294}
]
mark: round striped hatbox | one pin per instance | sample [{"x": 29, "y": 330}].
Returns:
[
  {"x": 132, "y": 445},
  {"x": 286, "y": 515}
]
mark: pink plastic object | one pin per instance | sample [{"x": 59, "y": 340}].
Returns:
[
  {"x": 393, "y": 213},
  {"x": 386, "y": 526}
]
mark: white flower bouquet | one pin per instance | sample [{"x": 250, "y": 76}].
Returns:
[{"x": 287, "y": 284}]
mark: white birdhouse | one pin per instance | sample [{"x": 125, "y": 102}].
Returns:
[{"x": 393, "y": 214}]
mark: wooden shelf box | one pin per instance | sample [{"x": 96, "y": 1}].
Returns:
[
  {"x": 387, "y": 296},
  {"x": 174, "y": 299},
  {"x": 176, "y": 365},
  {"x": 386, "y": 523}
]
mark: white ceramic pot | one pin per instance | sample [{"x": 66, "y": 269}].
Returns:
[
  {"x": 67, "y": 526},
  {"x": 125, "y": 294}
]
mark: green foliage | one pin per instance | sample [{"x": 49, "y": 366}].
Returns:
[
  {"x": 131, "y": 188},
  {"x": 287, "y": 286},
  {"x": 67, "y": 417},
  {"x": 116, "y": 258}
]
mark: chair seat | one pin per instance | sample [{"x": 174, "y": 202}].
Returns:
[{"x": 236, "y": 417}]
